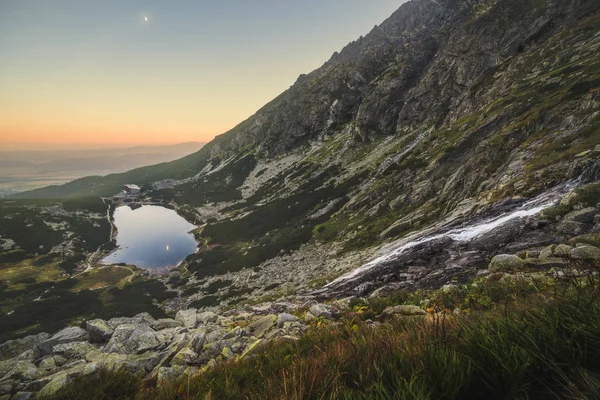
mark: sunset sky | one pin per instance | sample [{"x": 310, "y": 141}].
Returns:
[{"x": 93, "y": 73}]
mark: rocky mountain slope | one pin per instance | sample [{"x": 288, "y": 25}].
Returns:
[
  {"x": 447, "y": 113},
  {"x": 454, "y": 135}
]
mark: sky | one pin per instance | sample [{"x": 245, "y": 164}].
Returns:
[{"x": 96, "y": 73}]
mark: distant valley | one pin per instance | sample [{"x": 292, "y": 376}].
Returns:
[{"x": 27, "y": 170}]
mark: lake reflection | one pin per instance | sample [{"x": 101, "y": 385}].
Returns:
[{"x": 151, "y": 237}]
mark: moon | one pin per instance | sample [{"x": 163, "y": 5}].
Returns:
[
  {"x": 145, "y": 19},
  {"x": 167, "y": 248}
]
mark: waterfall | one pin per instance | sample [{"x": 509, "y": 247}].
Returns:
[{"x": 465, "y": 234}]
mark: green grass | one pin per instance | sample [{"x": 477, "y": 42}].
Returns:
[{"x": 531, "y": 340}]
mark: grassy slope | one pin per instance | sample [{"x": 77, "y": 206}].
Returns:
[{"x": 515, "y": 338}]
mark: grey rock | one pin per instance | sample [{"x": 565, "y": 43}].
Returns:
[
  {"x": 215, "y": 334},
  {"x": 585, "y": 253},
  {"x": 562, "y": 250},
  {"x": 284, "y": 317},
  {"x": 144, "y": 317},
  {"x": 187, "y": 318},
  {"x": 309, "y": 317},
  {"x": 571, "y": 228},
  {"x": 506, "y": 262},
  {"x": 165, "y": 323},
  {"x": 585, "y": 216},
  {"x": 547, "y": 252},
  {"x": 255, "y": 347},
  {"x": 13, "y": 348},
  {"x": 23, "y": 370},
  {"x": 6, "y": 386},
  {"x": 198, "y": 341},
  {"x": 119, "y": 337},
  {"x": 236, "y": 332},
  {"x": 405, "y": 310},
  {"x": 206, "y": 317},
  {"x": 141, "y": 318},
  {"x": 67, "y": 335},
  {"x": 322, "y": 310},
  {"x": 186, "y": 356},
  {"x": 59, "y": 360},
  {"x": 22, "y": 396},
  {"x": 54, "y": 383},
  {"x": 47, "y": 364},
  {"x": 262, "y": 326},
  {"x": 73, "y": 350},
  {"x": 227, "y": 353},
  {"x": 99, "y": 330}
]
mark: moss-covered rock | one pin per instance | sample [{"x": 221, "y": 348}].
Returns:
[
  {"x": 506, "y": 263},
  {"x": 99, "y": 330},
  {"x": 562, "y": 250},
  {"x": 404, "y": 310},
  {"x": 585, "y": 253}
]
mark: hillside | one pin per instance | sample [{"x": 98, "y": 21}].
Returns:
[{"x": 455, "y": 145}]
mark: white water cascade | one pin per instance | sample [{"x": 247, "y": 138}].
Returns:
[{"x": 465, "y": 234}]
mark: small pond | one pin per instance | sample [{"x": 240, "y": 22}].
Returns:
[{"x": 151, "y": 237}]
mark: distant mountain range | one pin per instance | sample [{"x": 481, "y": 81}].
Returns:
[{"x": 26, "y": 170}]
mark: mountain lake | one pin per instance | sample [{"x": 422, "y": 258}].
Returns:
[{"x": 151, "y": 237}]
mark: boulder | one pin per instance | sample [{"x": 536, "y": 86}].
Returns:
[
  {"x": 227, "y": 353},
  {"x": 323, "y": 310},
  {"x": 166, "y": 375},
  {"x": 262, "y": 326},
  {"x": 547, "y": 252},
  {"x": 285, "y": 317},
  {"x": 53, "y": 383},
  {"x": 585, "y": 253},
  {"x": 165, "y": 323},
  {"x": 186, "y": 356},
  {"x": 119, "y": 337},
  {"x": 405, "y": 310},
  {"x": 99, "y": 330},
  {"x": 308, "y": 317},
  {"x": 23, "y": 370},
  {"x": 67, "y": 335},
  {"x": 506, "y": 263},
  {"x": 551, "y": 262},
  {"x": 207, "y": 317},
  {"x": 197, "y": 341},
  {"x": 562, "y": 250},
  {"x": 571, "y": 228},
  {"x": 187, "y": 318},
  {"x": 47, "y": 364},
  {"x": 254, "y": 347},
  {"x": 22, "y": 396},
  {"x": 6, "y": 387},
  {"x": 585, "y": 216},
  {"x": 135, "y": 320},
  {"x": 6, "y": 366},
  {"x": 592, "y": 240},
  {"x": 74, "y": 350},
  {"x": 236, "y": 332},
  {"x": 13, "y": 348},
  {"x": 215, "y": 334}
]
